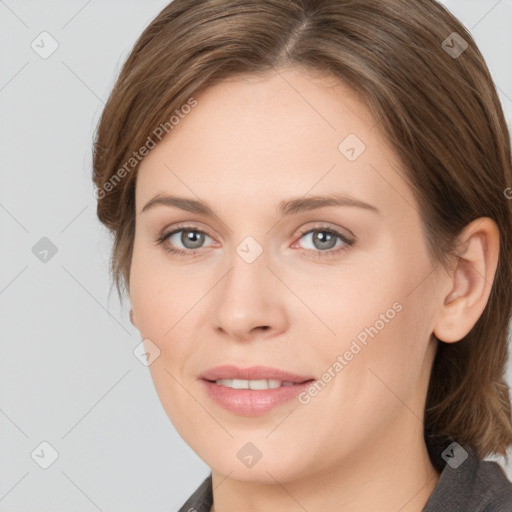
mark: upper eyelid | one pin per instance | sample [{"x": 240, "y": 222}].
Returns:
[{"x": 302, "y": 232}]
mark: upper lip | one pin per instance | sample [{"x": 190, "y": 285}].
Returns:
[{"x": 252, "y": 373}]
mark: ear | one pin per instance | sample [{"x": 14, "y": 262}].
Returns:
[
  {"x": 132, "y": 320},
  {"x": 471, "y": 282}
]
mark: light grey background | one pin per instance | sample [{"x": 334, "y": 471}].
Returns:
[{"x": 68, "y": 373}]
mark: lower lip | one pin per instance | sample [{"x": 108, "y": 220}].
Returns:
[{"x": 252, "y": 402}]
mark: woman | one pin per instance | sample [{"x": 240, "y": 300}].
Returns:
[{"x": 310, "y": 203}]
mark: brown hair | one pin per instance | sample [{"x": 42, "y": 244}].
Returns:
[{"x": 439, "y": 110}]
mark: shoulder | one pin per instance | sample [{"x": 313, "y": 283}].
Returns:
[
  {"x": 201, "y": 499},
  {"x": 494, "y": 486},
  {"x": 472, "y": 485}
]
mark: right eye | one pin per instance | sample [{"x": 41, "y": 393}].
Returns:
[{"x": 190, "y": 237}]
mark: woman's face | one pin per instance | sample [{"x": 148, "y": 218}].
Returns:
[{"x": 352, "y": 307}]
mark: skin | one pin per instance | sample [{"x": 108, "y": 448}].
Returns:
[{"x": 249, "y": 144}]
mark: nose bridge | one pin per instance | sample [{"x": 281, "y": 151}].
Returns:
[
  {"x": 246, "y": 283},
  {"x": 247, "y": 298}
]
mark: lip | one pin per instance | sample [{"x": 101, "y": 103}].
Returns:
[
  {"x": 252, "y": 402},
  {"x": 252, "y": 373}
]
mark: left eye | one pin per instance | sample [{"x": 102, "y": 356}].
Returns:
[{"x": 323, "y": 239}]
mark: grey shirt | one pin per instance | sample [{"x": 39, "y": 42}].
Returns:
[{"x": 474, "y": 486}]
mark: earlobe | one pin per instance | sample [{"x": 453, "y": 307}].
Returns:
[
  {"x": 132, "y": 318},
  {"x": 470, "y": 283}
]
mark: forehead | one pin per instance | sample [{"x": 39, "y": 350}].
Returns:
[{"x": 264, "y": 138}]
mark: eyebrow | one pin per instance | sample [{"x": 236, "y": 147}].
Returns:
[{"x": 287, "y": 207}]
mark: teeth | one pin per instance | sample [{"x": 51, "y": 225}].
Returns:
[{"x": 252, "y": 384}]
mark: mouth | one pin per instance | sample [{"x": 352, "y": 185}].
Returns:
[
  {"x": 257, "y": 384},
  {"x": 253, "y": 391},
  {"x": 253, "y": 377},
  {"x": 253, "y": 397}
]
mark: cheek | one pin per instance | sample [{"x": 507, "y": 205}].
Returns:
[
  {"x": 375, "y": 381},
  {"x": 160, "y": 293},
  {"x": 342, "y": 303},
  {"x": 379, "y": 324},
  {"x": 165, "y": 299},
  {"x": 391, "y": 369}
]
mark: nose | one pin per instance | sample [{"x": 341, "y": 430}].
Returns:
[{"x": 250, "y": 301}]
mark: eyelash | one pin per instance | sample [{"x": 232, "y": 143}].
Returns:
[{"x": 190, "y": 253}]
